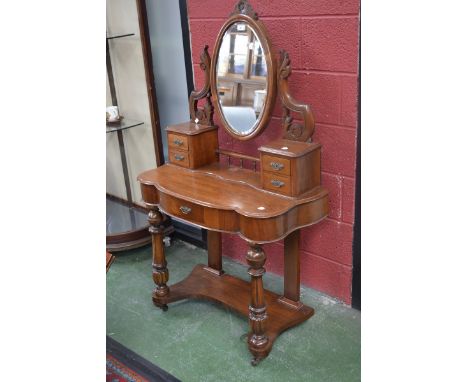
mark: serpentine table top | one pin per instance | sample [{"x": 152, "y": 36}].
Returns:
[{"x": 231, "y": 199}]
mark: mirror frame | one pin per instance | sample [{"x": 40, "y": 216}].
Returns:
[{"x": 246, "y": 15}]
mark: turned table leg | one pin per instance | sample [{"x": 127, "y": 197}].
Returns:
[
  {"x": 258, "y": 340},
  {"x": 160, "y": 271}
]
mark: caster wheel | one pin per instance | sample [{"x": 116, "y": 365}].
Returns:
[
  {"x": 255, "y": 361},
  {"x": 164, "y": 307}
]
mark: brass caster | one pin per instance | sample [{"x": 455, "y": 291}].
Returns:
[{"x": 164, "y": 308}]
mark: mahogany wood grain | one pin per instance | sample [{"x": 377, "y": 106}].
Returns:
[
  {"x": 190, "y": 128},
  {"x": 215, "y": 262},
  {"x": 160, "y": 271},
  {"x": 292, "y": 269},
  {"x": 178, "y": 141},
  {"x": 277, "y": 183},
  {"x": 305, "y": 172},
  {"x": 293, "y": 131},
  {"x": 257, "y": 339},
  {"x": 287, "y": 148},
  {"x": 182, "y": 209},
  {"x": 203, "y": 148},
  {"x": 202, "y": 115},
  {"x": 192, "y": 145},
  {"x": 234, "y": 154},
  {"x": 229, "y": 205},
  {"x": 276, "y": 164},
  {"x": 179, "y": 157},
  {"x": 298, "y": 160}
]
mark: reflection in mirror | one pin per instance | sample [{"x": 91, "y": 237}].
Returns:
[{"x": 241, "y": 78}]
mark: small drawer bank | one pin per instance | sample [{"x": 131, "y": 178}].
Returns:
[
  {"x": 192, "y": 145},
  {"x": 290, "y": 168}
]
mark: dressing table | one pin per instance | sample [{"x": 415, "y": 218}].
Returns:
[{"x": 264, "y": 199}]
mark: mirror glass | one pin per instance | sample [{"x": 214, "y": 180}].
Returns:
[{"x": 241, "y": 78}]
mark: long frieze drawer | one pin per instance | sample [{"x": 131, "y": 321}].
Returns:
[
  {"x": 179, "y": 142},
  {"x": 180, "y": 158},
  {"x": 277, "y": 183},
  {"x": 181, "y": 208},
  {"x": 274, "y": 164}
]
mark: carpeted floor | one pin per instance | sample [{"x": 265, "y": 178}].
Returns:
[{"x": 203, "y": 341}]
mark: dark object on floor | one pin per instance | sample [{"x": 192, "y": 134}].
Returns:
[
  {"x": 109, "y": 260},
  {"x": 123, "y": 365}
]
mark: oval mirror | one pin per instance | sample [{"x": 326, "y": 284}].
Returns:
[{"x": 244, "y": 78}]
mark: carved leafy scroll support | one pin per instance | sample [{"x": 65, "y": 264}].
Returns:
[
  {"x": 203, "y": 116},
  {"x": 293, "y": 130}
]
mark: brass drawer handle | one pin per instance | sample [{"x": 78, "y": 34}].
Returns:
[
  {"x": 277, "y": 166},
  {"x": 178, "y": 142},
  {"x": 277, "y": 183},
  {"x": 179, "y": 157},
  {"x": 185, "y": 210}
]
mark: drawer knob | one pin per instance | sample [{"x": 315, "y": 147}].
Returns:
[
  {"x": 185, "y": 210},
  {"x": 276, "y": 166},
  {"x": 179, "y": 157},
  {"x": 277, "y": 183},
  {"x": 178, "y": 142}
]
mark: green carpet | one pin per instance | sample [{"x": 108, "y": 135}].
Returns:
[{"x": 201, "y": 341}]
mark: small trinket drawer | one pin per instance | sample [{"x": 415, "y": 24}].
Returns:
[
  {"x": 290, "y": 168},
  {"x": 192, "y": 145}
]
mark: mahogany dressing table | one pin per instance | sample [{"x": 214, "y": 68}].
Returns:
[{"x": 264, "y": 199}]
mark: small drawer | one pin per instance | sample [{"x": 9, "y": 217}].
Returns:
[
  {"x": 179, "y": 142},
  {"x": 181, "y": 208},
  {"x": 277, "y": 183},
  {"x": 276, "y": 164},
  {"x": 180, "y": 158}
]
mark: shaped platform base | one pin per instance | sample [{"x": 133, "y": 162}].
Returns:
[{"x": 235, "y": 293}]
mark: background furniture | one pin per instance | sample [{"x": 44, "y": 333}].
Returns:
[
  {"x": 126, "y": 226},
  {"x": 263, "y": 200},
  {"x": 109, "y": 260},
  {"x": 132, "y": 145}
]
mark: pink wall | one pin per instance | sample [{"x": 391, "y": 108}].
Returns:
[{"x": 321, "y": 37}]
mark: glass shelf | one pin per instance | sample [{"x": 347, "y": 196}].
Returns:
[
  {"x": 125, "y": 124},
  {"x": 120, "y": 36},
  {"x": 121, "y": 218}
]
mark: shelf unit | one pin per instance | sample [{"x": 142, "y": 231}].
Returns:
[{"x": 126, "y": 224}]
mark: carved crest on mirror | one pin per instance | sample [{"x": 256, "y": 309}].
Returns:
[
  {"x": 244, "y": 8},
  {"x": 244, "y": 77}
]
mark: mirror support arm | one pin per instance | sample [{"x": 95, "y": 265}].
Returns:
[
  {"x": 293, "y": 131},
  {"x": 203, "y": 116}
]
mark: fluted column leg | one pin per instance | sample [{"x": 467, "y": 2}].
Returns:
[
  {"x": 160, "y": 271},
  {"x": 258, "y": 340}
]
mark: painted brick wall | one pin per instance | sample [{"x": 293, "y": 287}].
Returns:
[{"x": 321, "y": 37}]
